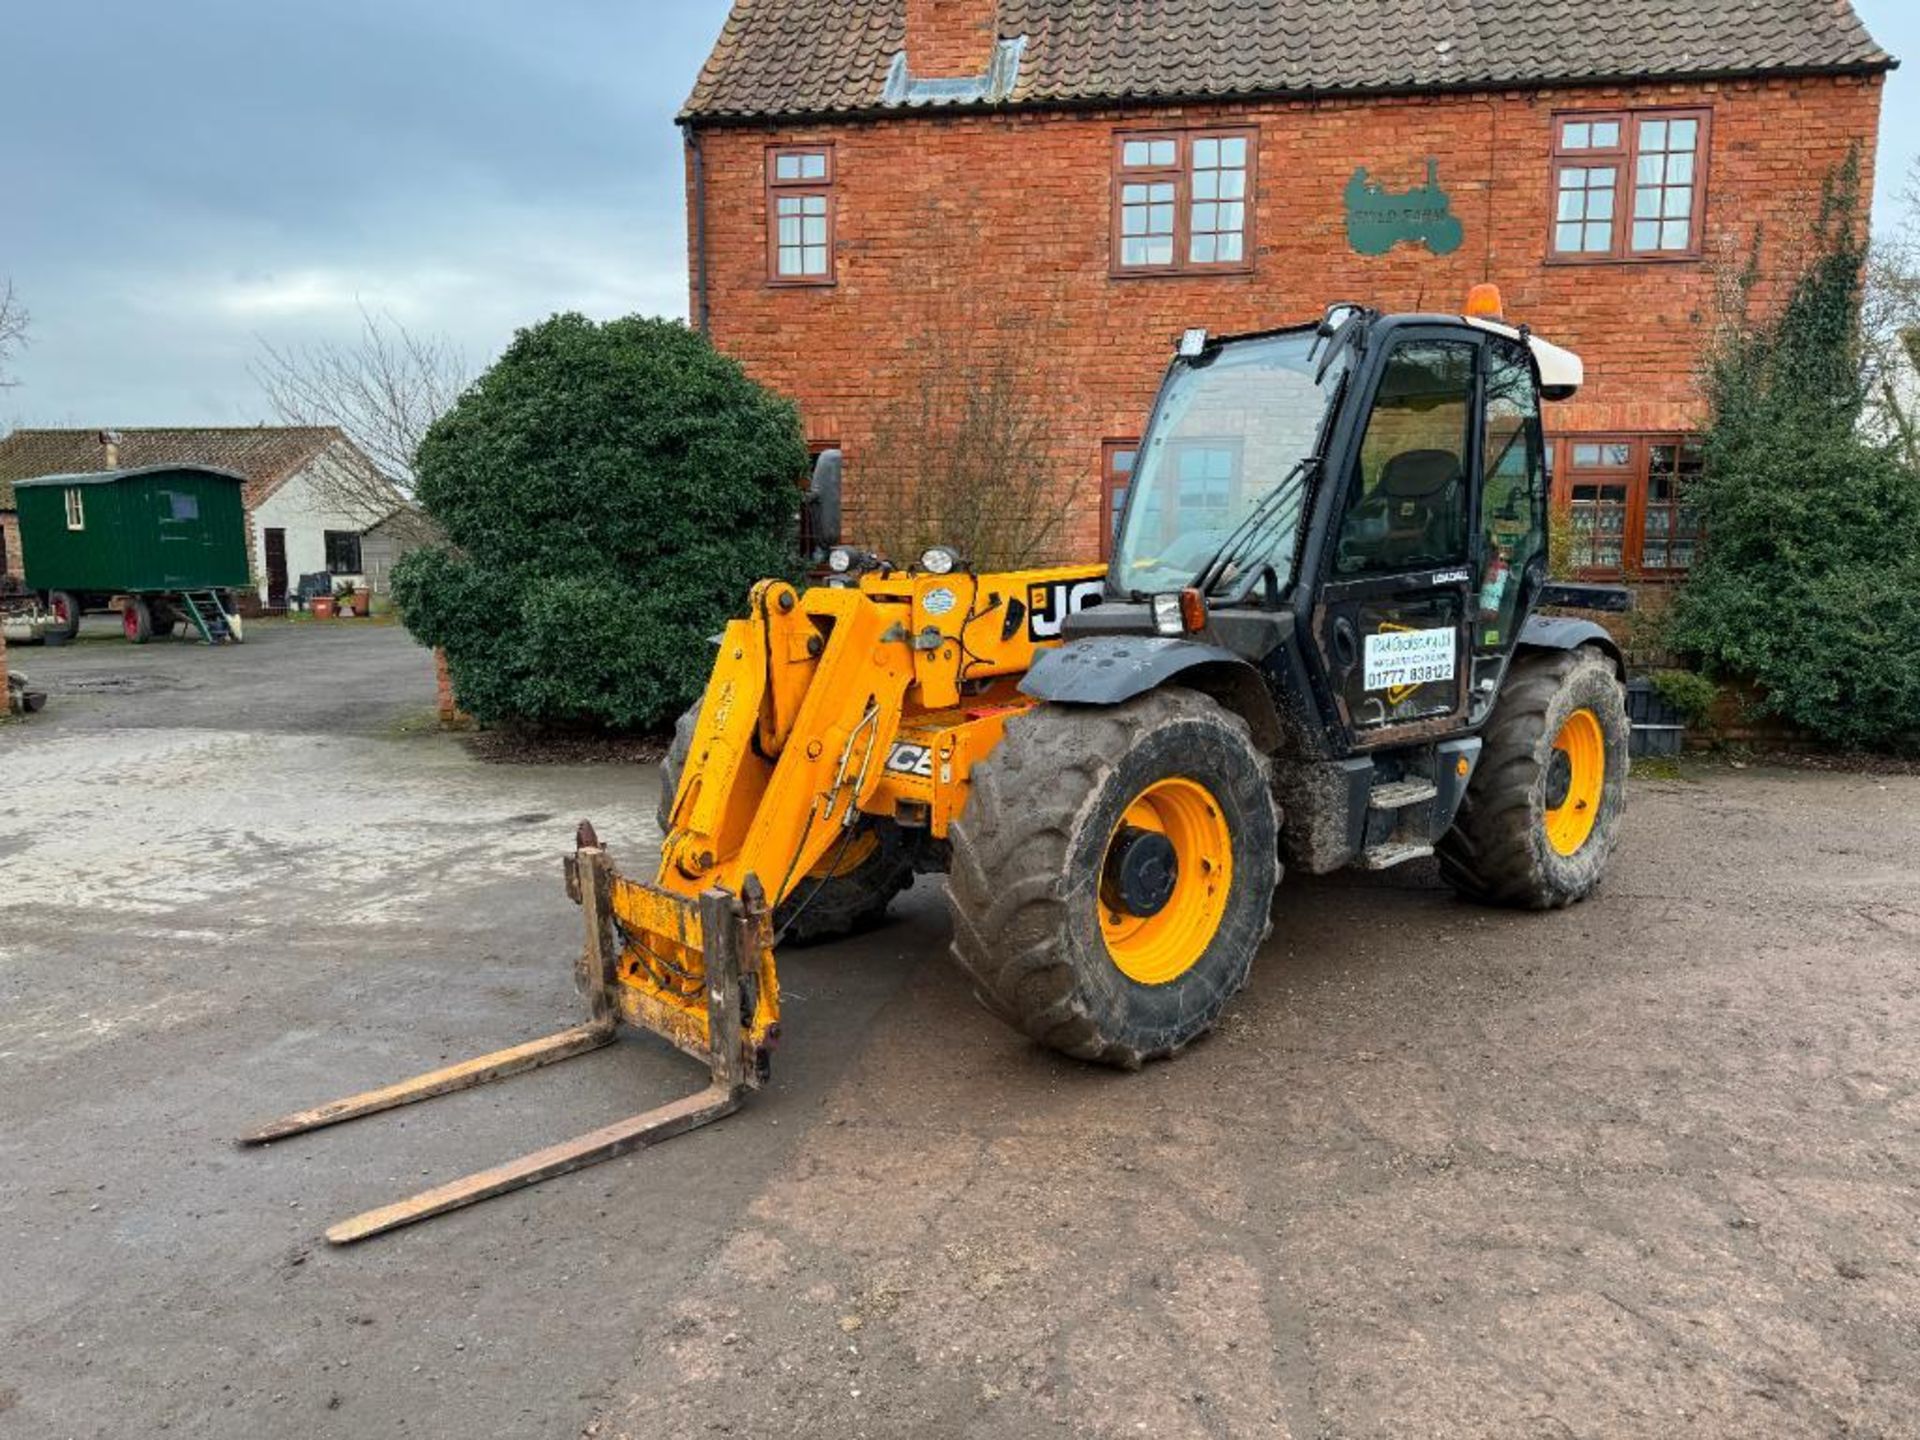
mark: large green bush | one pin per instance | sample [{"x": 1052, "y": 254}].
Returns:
[
  {"x": 1809, "y": 580},
  {"x": 610, "y": 493}
]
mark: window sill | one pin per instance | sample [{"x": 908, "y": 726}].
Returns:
[
  {"x": 773, "y": 284},
  {"x": 1690, "y": 257},
  {"x": 1191, "y": 272}
]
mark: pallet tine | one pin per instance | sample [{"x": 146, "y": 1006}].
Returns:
[
  {"x": 590, "y": 873},
  {"x": 728, "y": 930}
]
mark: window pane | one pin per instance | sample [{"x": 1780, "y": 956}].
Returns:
[
  {"x": 787, "y": 167},
  {"x": 1619, "y": 456},
  {"x": 1408, "y": 507},
  {"x": 1232, "y": 248},
  {"x": 1651, "y": 170},
  {"x": 1679, "y": 204},
  {"x": 1600, "y": 204},
  {"x": 1123, "y": 464},
  {"x": 1233, "y": 184},
  {"x": 1599, "y": 238},
  {"x": 814, "y": 205},
  {"x": 816, "y": 263},
  {"x": 1206, "y": 154},
  {"x": 1233, "y": 153},
  {"x": 1136, "y": 152},
  {"x": 1646, "y": 235},
  {"x": 1653, "y": 134},
  {"x": 1573, "y": 178},
  {"x": 1606, "y": 135},
  {"x": 1646, "y": 204},
  {"x": 1161, "y": 222},
  {"x": 1203, "y": 250},
  {"x": 1576, "y": 135},
  {"x": 1675, "y": 235},
  {"x": 1683, "y": 135},
  {"x": 789, "y": 230},
  {"x": 1653, "y": 554},
  {"x": 1206, "y": 184},
  {"x": 813, "y": 167},
  {"x": 1133, "y": 194},
  {"x": 1567, "y": 239},
  {"x": 1163, "y": 152},
  {"x": 1207, "y": 216},
  {"x": 814, "y": 232},
  {"x": 1573, "y": 205},
  {"x": 1233, "y": 217},
  {"x": 1680, "y": 169},
  {"x": 1585, "y": 455}
]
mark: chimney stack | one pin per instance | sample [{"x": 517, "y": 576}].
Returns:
[
  {"x": 951, "y": 39},
  {"x": 110, "y": 442}
]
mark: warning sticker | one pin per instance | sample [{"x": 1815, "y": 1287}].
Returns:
[{"x": 1403, "y": 660}]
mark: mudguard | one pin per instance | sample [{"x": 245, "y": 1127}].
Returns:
[
  {"x": 1109, "y": 669},
  {"x": 1566, "y": 632}
]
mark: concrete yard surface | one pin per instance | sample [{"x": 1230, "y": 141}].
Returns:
[{"x": 1643, "y": 1168}]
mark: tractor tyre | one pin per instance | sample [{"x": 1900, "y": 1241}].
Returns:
[
  {"x": 1113, "y": 873},
  {"x": 65, "y": 606},
  {"x": 848, "y": 893},
  {"x": 136, "y": 620},
  {"x": 1542, "y": 811}
]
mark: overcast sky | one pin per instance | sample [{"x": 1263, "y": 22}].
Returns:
[{"x": 178, "y": 177}]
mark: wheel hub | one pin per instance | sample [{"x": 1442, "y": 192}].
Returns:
[
  {"x": 1559, "y": 779},
  {"x": 1143, "y": 869}
]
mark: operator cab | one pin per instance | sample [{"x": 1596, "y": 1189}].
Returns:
[{"x": 1374, "y": 485}]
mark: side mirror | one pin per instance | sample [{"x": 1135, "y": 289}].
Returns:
[{"x": 822, "y": 506}]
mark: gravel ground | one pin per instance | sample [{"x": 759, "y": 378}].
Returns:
[{"x": 1642, "y": 1168}]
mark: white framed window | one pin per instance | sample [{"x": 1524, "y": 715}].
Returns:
[{"x": 76, "y": 508}]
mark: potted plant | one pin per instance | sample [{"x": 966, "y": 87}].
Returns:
[{"x": 348, "y": 597}]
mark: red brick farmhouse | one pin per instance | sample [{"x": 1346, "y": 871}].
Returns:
[{"x": 867, "y": 176}]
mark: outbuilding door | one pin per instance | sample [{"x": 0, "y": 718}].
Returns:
[{"x": 276, "y": 543}]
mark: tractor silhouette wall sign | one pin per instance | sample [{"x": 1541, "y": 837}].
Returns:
[{"x": 1378, "y": 219}]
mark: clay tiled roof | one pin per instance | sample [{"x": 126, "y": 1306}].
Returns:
[
  {"x": 266, "y": 454},
  {"x": 785, "y": 58}
]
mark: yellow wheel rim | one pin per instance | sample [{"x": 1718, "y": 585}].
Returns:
[
  {"x": 1160, "y": 947},
  {"x": 840, "y": 862},
  {"x": 1570, "y": 823}
]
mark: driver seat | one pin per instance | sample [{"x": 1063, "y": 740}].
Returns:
[{"x": 1423, "y": 492}]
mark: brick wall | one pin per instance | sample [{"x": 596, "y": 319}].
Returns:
[
  {"x": 1001, "y": 225},
  {"x": 10, "y": 542}
]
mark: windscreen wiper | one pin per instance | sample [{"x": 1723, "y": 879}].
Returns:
[{"x": 1254, "y": 527}]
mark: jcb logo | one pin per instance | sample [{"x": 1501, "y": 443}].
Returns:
[
  {"x": 907, "y": 759},
  {"x": 1049, "y": 605}
]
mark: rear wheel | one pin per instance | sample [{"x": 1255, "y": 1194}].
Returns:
[
  {"x": 136, "y": 619},
  {"x": 1113, "y": 873},
  {"x": 849, "y": 891},
  {"x": 1541, "y": 812}
]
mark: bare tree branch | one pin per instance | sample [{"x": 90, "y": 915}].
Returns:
[
  {"x": 13, "y": 329},
  {"x": 1890, "y": 328},
  {"x": 383, "y": 390}
]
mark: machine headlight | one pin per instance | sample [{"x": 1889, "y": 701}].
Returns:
[
  {"x": 1167, "y": 618},
  {"x": 840, "y": 559},
  {"x": 939, "y": 560}
]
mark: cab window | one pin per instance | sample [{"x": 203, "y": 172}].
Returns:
[
  {"x": 1408, "y": 505},
  {"x": 1513, "y": 506}
]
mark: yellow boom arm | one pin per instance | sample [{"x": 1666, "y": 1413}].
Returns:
[{"x": 826, "y": 705}]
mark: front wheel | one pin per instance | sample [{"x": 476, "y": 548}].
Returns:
[
  {"x": 846, "y": 893},
  {"x": 65, "y": 606},
  {"x": 1113, "y": 873},
  {"x": 1542, "y": 811}
]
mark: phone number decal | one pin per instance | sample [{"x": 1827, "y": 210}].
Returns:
[{"x": 1403, "y": 659}]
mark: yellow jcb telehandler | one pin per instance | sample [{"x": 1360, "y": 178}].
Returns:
[{"x": 1318, "y": 642}]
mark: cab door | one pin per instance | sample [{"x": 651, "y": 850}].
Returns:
[{"x": 1393, "y": 625}]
